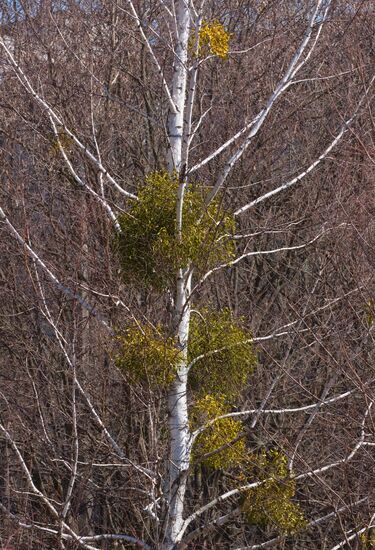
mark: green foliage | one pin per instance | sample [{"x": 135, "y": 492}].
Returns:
[
  {"x": 216, "y": 379},
  {"x": 146, "y": 355},
  {"x": 228, "y": 347},
  {"x": 270, "y": 503},
  {"x": 368, "y": 539},
  {"x": 370, "y": 312},
  {"x": 149, "y": 250},
  {"x": 213, "y": 38},
  {"x": 222, "y": 432},
  {"x": 63, "y": 140}
]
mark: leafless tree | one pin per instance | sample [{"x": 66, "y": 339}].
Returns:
[{"x": 260, "y": 113}]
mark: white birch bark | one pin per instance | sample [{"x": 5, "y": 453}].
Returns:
[
  {"x": 192, "y": 86},
  {"x": 180, "y": 445},
  {"x": 176, "y": 118},
  {"x": 180, "y": 438},
  {"x": 297, "y": 62},
  {"x": 59, "y": 122},
  {"x": 181, "y": 98}
]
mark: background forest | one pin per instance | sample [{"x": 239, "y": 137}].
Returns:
[{"x": 187, "y": 250}]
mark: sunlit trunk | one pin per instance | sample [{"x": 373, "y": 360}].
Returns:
[
  {"x": 178, "y": 419},
  {"x": 176, "y": 119}
]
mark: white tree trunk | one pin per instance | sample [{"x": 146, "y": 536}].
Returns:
[
  {"x": 180, "y": 437},
  {"x": 176, "y": 119}
]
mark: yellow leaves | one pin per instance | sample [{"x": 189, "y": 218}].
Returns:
[
  {"x": 216, "y": 378},
  {"x": 228, "y": 352},
  {"x": 368, "y": 539},
  {"x": 221, "y": 445},
  {"x": 271, "y": 502},
  {"x": 64, "y": 141},
  {"x": 149, "y": 250},
  {"x": 370, "y": 312},
  {"x": 145, "y": 354},
  {"x": 213, "y": 38},
  {"x": 223, "y": 432}
]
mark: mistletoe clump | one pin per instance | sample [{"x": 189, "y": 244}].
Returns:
[
  {"x": 368, "y": 539},
  {"x": 213, "y": 38},
  {"x": 370, "y": 312},
  {"x": 225, "y": 432},
  {"x": 148, "y": 247},
  {"x": 225, "y": 352},
  {"x": 271, "y": 502},
  {"x": 146, "y": 355},
  {"x": 62, "y": 140}
]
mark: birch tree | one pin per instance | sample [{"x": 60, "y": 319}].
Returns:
[{"x": 139, "y": 246}]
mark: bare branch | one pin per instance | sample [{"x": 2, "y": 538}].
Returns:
[
  {"x": 294, "y": 66},
  {"x": 282, "y": 332},
  {"x": 172, "y": 105},
  {"x": 287, "y": 410},
  {"x": 316, "y": 163},
  {"x": 36, "y": 491},
  {"x": 76, "y": 384},
  {"x": 81, "y": 539},
  {"x": 64, "y": 289},
  {"x": 247, "y": 487},
  {"x": 81, "y": 182},
  {"x": 58, "y": 120},
  {"x": 351, "y": 536},
  {"x": 271, "y": 543},
  {"x": 255, "y": 253}
]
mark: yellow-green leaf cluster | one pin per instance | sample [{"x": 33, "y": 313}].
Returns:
[
  {"x": 220, "y": 433},
  {"x": 228, "y": 353},
  {"x": 146, "y": 355},
  {"x": 213, "y": 38},
  {"x": 63, "y": 140},
  {"x": 370, "y": 312},
  {"x": 271, "y": 502},
  {"x": 149, "y": 250},
  {"x": 368, "y": 539}
]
